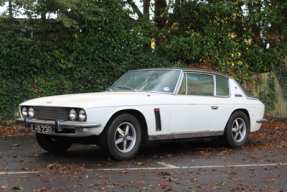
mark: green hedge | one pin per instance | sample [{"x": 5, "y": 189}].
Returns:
[
  {"x": 28, "y": 72},
  {"x": 63, "y": 60}
]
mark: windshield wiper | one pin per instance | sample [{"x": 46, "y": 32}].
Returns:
[
  {"x": 108, "y": 89},
  {"x": 129, "y": 88}
]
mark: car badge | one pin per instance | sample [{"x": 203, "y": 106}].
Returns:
[{"x": 49, "y": 102}]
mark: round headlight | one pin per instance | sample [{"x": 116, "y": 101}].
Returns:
[
  {"x": 82, "y": 115},
  {"x": 24, "y": 112},
  {"x": 73, "y": 115},
  {"x": 31, "y": 112}
]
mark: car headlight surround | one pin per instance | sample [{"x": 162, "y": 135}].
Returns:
[
  {"x": 31, "y": 112},
  {"x": 24, "y": 111},
  {"x": 82, "y": 116},
  {"x": 73, "y": 115}
]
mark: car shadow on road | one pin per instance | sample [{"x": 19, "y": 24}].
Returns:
[{"x": 92, "y": 157}]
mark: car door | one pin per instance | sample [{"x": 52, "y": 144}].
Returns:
[
  {"x": 195, "y": 108},
  {"x": 224, "y": 102}
]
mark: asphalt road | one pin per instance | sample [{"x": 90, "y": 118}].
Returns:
[{"x": 172, "y": 166}]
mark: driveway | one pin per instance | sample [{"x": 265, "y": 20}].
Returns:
[{"x": 171, "y": 166}]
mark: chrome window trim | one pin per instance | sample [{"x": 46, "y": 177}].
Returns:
[
  {"x": 198, "y": 96},
  {"x": 186, "y": 70},
  {"x": 176, "y": 89},
  {"x": 214, "y": 85},
  {"x": 185, "y": 83},
  {"x": 181, "y": 76}
]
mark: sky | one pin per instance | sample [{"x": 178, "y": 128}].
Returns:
[
  {"x": 2, "y": 9},
  {"x": 137, "y": 2}
]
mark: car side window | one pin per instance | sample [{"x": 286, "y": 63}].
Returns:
[
  {"x": 222, "y": 87},
  {"x": 197, "y": 84}
]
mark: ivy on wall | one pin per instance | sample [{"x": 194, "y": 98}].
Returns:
[
  {"x": 269, "y": 98},
  {"x": 281, "y": 74}
]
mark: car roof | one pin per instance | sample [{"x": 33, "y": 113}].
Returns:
[{"x": 187, "y": 70}]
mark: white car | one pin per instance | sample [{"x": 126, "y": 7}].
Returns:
[{"x": 146, "y": 105}]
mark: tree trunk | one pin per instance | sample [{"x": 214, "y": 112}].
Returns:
[
  {"x": 10, "y": 9},
  {"x": 10, "y": 13},
  {"x": 43, "y": 13},
  {"x": 160, "y": 6},
  {"x": 146, "y": 6}
]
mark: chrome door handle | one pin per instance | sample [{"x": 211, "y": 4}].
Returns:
[{"x": 214, "y": 107}]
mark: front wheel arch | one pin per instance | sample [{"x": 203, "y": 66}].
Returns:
[
  {"x": 138, "y": 115},
  {"x": 122, "y": 138}
]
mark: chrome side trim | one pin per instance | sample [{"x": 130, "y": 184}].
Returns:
[
  {"x": 63, "y": 124},
  {"x": 185, "y": 135},
  {"x": 261, "y": 121}
]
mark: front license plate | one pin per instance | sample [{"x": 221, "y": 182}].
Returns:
[{"x": 42, "y": 129}]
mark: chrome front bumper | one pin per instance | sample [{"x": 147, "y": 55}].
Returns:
[
  {"x": 262, "y": 121},
  {"x": 59, "y": 124}
]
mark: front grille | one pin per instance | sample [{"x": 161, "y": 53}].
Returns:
[{"x": 51, "y": 113}]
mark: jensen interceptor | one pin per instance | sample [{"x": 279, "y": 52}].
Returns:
[{"x": 146, "y": 105}]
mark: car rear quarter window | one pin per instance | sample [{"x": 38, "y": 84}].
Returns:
[
  {"x": 222, "y": 87},
  {"x": 247, "y": 93}
]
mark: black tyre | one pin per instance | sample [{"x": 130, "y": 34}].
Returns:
[
  {"x": 53, "y": 144},
  {"x": 122, "y": 138},
  {"x": 237, "y": 130}
]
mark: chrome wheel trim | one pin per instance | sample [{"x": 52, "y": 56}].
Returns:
[
  {"x": 239, "y": 129},
  {"x": 125, "y": 137}
]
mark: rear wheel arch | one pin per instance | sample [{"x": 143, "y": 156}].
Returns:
[
  {"x": 237, "y": 129},
  {"x": 241, "y": 109}
]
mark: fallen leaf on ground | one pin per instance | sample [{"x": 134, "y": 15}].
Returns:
[
  {"x": 16, "y": 187},
  {"x": 164, "y": 185}
]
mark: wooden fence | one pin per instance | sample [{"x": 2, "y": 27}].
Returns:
[{"x": 281, "y": 106}]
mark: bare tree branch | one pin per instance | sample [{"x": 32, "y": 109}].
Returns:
[{"x": 135, "y": 8}]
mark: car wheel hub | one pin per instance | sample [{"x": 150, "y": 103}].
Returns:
[
  {"x": 238, "y": 129},
  {"x": 125, "y": 137}
]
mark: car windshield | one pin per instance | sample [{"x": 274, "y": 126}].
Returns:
[{"x": 147, "y": 80}]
